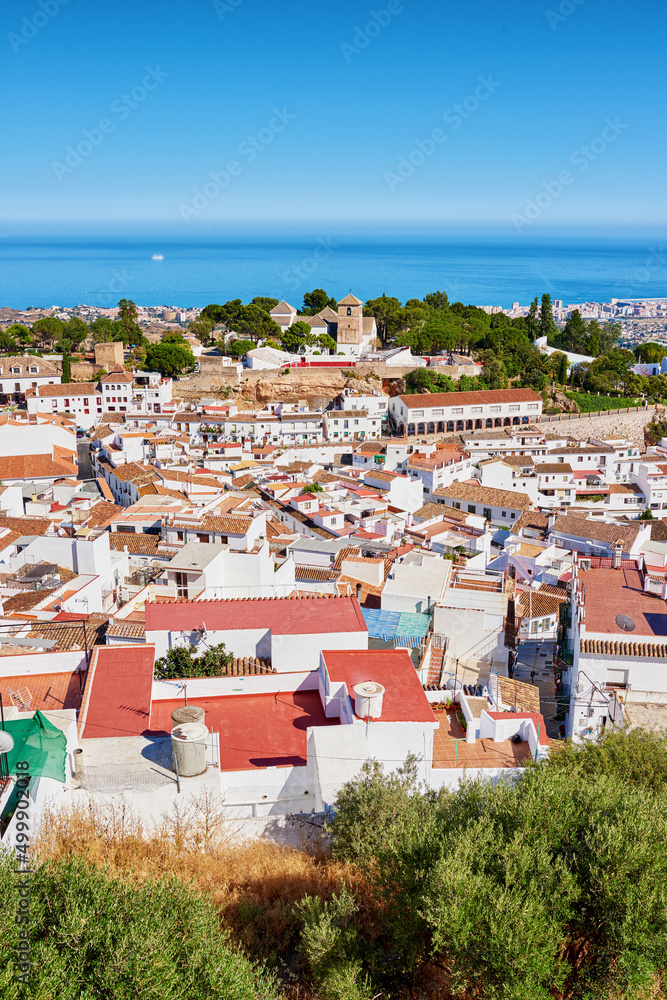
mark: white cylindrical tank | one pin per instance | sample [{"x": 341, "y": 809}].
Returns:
[
  {"x": 188, "y": 744},
  {"x": 368, "y": 700}
]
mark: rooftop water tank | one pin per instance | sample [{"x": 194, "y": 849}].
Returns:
[
  {"x": 368, "y": 700},
  {"x": 187, "y": 713},
  {"x": 188, "y": 744}
]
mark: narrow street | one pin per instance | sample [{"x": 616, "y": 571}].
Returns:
[
  {"x": 537, "y": 657},
  {"x": 85, "y": 468}
]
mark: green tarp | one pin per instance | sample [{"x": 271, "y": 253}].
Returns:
[{"x": 39, "y": 743}]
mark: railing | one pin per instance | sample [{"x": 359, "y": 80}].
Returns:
[{"x": 558, "y": 417}]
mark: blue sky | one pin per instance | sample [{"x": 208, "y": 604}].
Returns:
[{"x": 345, "y": 117}]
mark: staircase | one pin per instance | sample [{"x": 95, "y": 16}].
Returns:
[{"x": 436, "y": 658}]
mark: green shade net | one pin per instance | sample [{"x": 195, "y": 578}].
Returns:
[{"x": 41, "y": 744}]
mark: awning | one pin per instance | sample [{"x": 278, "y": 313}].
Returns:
[{"x": 405, "y": 629}]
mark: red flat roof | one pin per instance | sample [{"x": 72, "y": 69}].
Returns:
[
  {"x": 117, "y": 696},
  {"x": 283, "y": 615},
  {"x": 404, "y": 698},
  {"x": 610, "y": 592},
  {"x": 256, "y": 730}
]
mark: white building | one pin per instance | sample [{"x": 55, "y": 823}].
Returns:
[
  {"x": 445, "y": 412},
  {"x": 20, "y": 373}
]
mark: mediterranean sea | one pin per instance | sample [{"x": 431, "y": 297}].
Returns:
[{"x": 99, "y": 271}]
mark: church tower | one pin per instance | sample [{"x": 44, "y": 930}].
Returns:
[{"x": 350, "y": 320}]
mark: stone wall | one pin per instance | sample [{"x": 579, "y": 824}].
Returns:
[
  {"x": 84, "y": 371},
  {"x": 624, "y": 425},
  {"x": 109, "y": 356}
]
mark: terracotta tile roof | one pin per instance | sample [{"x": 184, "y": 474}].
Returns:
[
  {"x": 549, "y": 468},
  {"x": 526, "y": 697},
  {"x": 538, "y": 604},
  {"x": 429, "y": 510},
  {"x": 642, "y": 650},
  {"x": 246, "y": 666},
  {"x": 315, "y": 574},
  {"x": 25, "y": 362},
  {"x": 431, "y": 399},
  {"x": 485, "y": 495},
  {"x": 532, "y": 520},
  {"x": 598, "y": 531},
  {"x": 124, "y": 629},
  {"x": 117, "y": 376},
  {"x": 102, "y": 512},
  {"x": 26, "y": 525},
  {"x": 136, "y": 544},
  {"x": 156, "y": 489},
  {"x": 627, "y": 488},
  {"x": 70, "y": 389},
  {"x": 583, "y": 449},
  {"x": 9, "y": 539},
  {"x": 70, "y": 634},
  {"x": 35, "y": 467},
  {"x": 135, "y": 472},
  {"x": 658, "y": 531}
]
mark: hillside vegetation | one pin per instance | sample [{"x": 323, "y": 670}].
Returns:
[{"x": 548, "y": 888}]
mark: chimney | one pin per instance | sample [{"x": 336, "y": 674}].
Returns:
[
  {"x": 552, "y": 521},
  {"x": 618, "y": 553},
  {"x": 359, "y": 592}
]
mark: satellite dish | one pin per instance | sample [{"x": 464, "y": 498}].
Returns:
[
  {"x": 6, "y": 741},
  {"x": 625, "y": 623}
]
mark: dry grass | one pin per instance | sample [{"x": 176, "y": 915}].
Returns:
[{"x": 256, "y": 882}]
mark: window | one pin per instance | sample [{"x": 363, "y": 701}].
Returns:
[
  {"x": 476, "y": 409},
  {"x": 16, "y": 371},
  {"x": 181, "y": 585},
  {"x": 514, "y": 409},
  {"x": 457, "y": 506},
  {"x": 349, "y": 311},
  {"x": 180, "y": 535},
  {"x": 202, "y": 537},
  {"x": 17, "y": 386},
  {"x": 438, "y": 413},
  {"x": 487, "y": 513},
  {"x": 417, "y": 413},
  {"x": 457, "y": 409},
  {"x": 67, "y": 402},
  {"x": 494, "y": 409},
  {"x": 472, "y": 509},
  {"x": 533, "y": 406},
  {"x": 504, "y": 513},
  {"x": 33, "y": 371},
  {"x": 513, "y": 516}
]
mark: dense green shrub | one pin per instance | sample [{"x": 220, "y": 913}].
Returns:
[
  {"x": 94, "y": 937},
  {"x": 554, "y": 882}
]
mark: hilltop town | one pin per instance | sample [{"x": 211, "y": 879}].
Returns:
[{"x": 247, "y": 582}]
